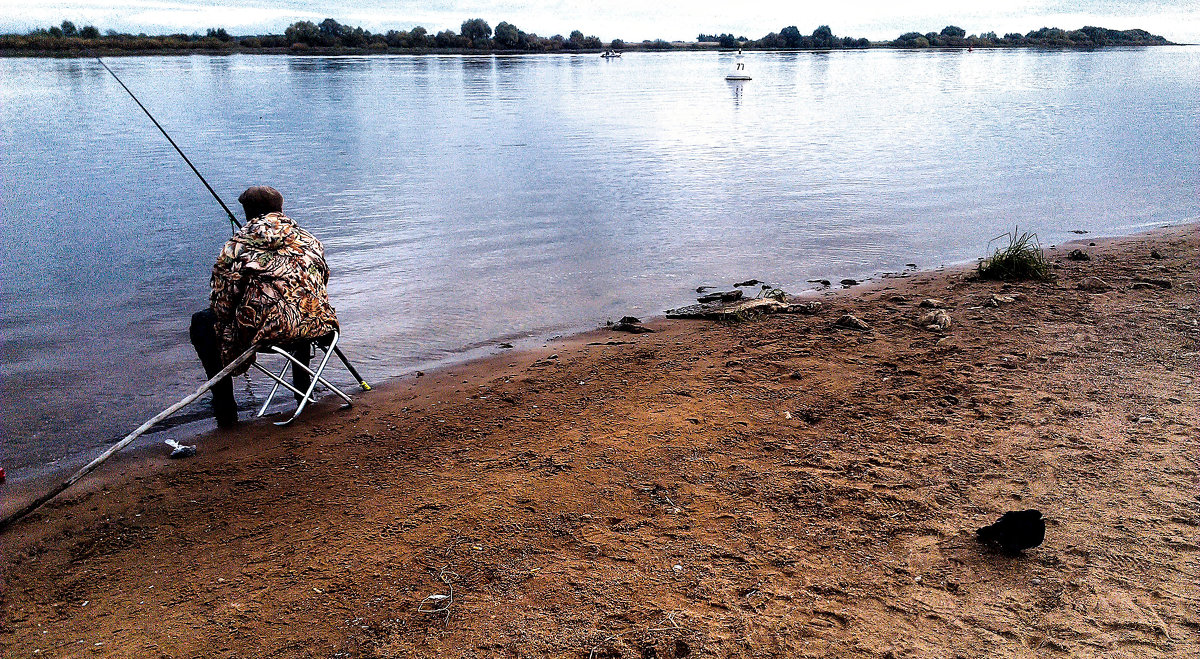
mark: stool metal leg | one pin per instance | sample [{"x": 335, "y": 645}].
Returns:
[
  {"x": 290, "y": 360},
  {"x": 278, "y": 380},
  {"x": 316, "y": 377}
]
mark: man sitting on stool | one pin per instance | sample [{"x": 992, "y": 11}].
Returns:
[{"x": 268, "y": 286}]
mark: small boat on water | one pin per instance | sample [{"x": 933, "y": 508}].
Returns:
[{"x": 608, "y": 54}]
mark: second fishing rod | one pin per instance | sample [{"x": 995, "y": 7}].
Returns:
[{"x": 233, "y": 222}]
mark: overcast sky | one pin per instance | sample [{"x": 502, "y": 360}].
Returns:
[{"x": 631, "y": 20}]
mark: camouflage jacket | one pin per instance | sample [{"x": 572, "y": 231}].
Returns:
[{"x": 268, "y": 285}]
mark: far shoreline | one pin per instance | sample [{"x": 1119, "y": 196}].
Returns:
[{"x": 469, "y": 52}]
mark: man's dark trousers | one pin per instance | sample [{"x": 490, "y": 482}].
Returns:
[{"x": 208, "y": 348}]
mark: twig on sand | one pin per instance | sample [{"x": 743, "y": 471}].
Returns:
[
  {"x": 671, "y": 620},
  {"x": 674, "y": 626},
  {"x": 438, "y": 603}
]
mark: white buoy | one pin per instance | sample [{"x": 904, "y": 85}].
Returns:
[{"x": 739, "y": 69}]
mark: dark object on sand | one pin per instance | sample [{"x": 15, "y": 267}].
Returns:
[
  {"x": 748, "y": 282},
  {"x": 720, "y": 296},
  {"x": 1015, "y": 531},
  {"x": 849, "y": 282},
  {"x": 631, "y": 325},
  {"x": 1155, "y": 254},
  {"x": 823, "y": 282},
  {"x": 1079, "y": 255}
]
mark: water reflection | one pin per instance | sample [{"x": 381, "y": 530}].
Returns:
[
  {"x": 462, "y": 199},
  {"x": 735, "y": 91}
]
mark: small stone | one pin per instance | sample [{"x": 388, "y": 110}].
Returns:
[
  {"x": 823, "y": 282},
  {"x": 937, "y": 320},
  {"x": 1155, "y": 254},
  {"x": 630, "y": 320},
  {"x": 850, "y": 321},
  {"x": 1094, "y": 285},
  {"x": 933, "y": 303},
  {"x": 748, "y": 282},
  {"x": 849, "y": 282},
  {"x": 677, "y": 567},
  {"x": 1079, "y": 255}
]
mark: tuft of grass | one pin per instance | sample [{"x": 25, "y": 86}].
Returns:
[
  {"x": 777, "y": 294},
  {"x": 1021, "y": 259}
]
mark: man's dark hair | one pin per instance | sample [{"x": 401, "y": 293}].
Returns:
[{"x": 260, "y": 200}]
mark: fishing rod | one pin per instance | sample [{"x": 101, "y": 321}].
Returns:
[{"x": 235, "y": 225}]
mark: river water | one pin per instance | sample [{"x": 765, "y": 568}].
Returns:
[{"x": 467, "y": 201}]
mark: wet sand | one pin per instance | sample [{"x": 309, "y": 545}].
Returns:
[{"x": 775, "y": 487}]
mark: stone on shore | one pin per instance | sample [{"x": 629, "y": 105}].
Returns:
[
  {"x": 720, "y": 296},
  {"x": 728, "y": 310},
  {"x": 850, "y": 321},
  {"x": 937, "y": 320}
]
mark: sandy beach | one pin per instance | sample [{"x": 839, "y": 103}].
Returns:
[{"x": 776, "y": 487}]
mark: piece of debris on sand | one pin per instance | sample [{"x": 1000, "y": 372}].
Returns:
[
  {"x": 933, "y": 303},
  {"x": 1094, "y": 285},
  {"x": 1151, "y": 283},
  {"x": 996, "y": 300},
  {"x": 1015, "y": 531},
  {"x": 850, "y": 321},
  {"x": 739, "y": 308},
  {"x": 1079, "y": 255},
  {"x": 937, "y": 320}
]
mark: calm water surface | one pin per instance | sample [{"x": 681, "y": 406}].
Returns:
[{"x": 465, "y": 201}]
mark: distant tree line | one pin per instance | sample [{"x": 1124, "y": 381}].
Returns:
[
  {"x": 476, "y": 35},
  {"x": 953, "y": 36},
  {"x": 789, "y": 38},
  {"x": 329, "y": 34}
]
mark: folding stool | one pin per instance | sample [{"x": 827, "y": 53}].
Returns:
[{"x": 328, "y": 345}]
